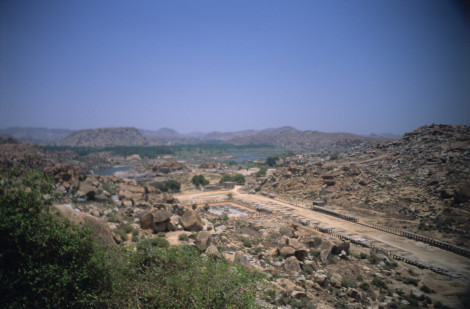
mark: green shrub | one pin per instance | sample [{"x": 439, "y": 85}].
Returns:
[
  {"x": 161, "y": 234},
  {"x": 206, "y": 207},
  {"x": 167, "y": 186},
  {"x": 246, "y": 242},
  {"x": 363, "y": 255},
  {"x": 365, "y": 286},
  {"x": 135, "y": 238},
  {"x": 426, "y": 289},
  {"x": 411, "y": 281},
  {"x": 348, "y": 283},
  {"x": 379, "y": 282},
  {"x": 262, "y": 172},
  {"x": 160, "y": 242},
  {"x": 127, "y": 229},
  {"x": 45, "y": 261},
  {"x": 183, "y": 237},
  {"x": 238, "y": 178}
]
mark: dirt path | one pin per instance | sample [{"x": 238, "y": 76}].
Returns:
[{"x": 410, "y": 248}]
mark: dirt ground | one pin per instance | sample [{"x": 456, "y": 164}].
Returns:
[{"x": 414, "y": 249}]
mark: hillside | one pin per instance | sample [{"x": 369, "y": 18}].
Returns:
[
  {"x": 420, "y": 182},
  {"x": 36, "y": 135},
  {"x": 104, "y": 137},
  {"x": 290, "y": 137}
]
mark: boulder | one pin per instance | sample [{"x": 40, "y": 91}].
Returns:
[
  {"x": 203, "y": 239},
  {"x": 161, "y": 216},
  {"x": 100, "y": 230},
  {"x": 335, "y": 280},
  {"x": 300, "y": 249},
  {"x": 212, "y": 251},
  {"x": 325, "y": 256},
  {"x": 286, "y": 231},
  {"x": 146, "y": 220},
  {"x": 160, "y": 227},
  {"x": 286, "y": 251},
  {"x": 191, "y": 221},
  {"x": 292, "y": 264},
  {"x": 241, "y": 258}
]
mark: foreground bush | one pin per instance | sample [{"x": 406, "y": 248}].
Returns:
[
  {"x": 44, "y": 261},
  {"x": 178, "y": 277}
]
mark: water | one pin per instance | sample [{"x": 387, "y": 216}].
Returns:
[
  {"x": 110, "y": 171},
  {"x": 241, "y": 156},
  {"x": 230, "y": 210}
]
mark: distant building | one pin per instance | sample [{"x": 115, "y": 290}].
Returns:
[
  {"x": 212, "y": 187},
  {"x": 229, "y": 185}
]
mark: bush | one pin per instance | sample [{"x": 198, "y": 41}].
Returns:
[
  {"x": 183, "y": 237},
  {"x": 410, "y": 281},
  {"x": 363, "y": 255},
  {"x": 238, "y": 178},
  {"x": 199, "y": 180},
  {"x": 262, "y": 172},
  {"x": 426, "y": 289},
  {"x": 178, "y": 277},
  {"x": 168, "y": 186},
  {"x": 348, "y": 283},
  {"x": 160, "y": 242},
  {"x": 379, "y": 282},
  {"x": 45, "y": 261},
  {"x": 365, "y": 286},
  {"x": 271, "y": 161},
  {"x": 206, "y": 207}
]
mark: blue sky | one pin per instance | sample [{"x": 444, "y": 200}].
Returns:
[{"x": 358, "y": 66}]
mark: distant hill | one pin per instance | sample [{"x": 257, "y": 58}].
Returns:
[
  {"x": 127, "y": 136},
  {"x": 290, "y": 137},
  {"x": 104, "y": 137},
  {"x": 36, "y": 135},
  {"x": 166, "y": 132}
]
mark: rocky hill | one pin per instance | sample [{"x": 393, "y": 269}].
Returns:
[
  {"x": 105, "y": 137},
  {"x": 36, "y": 135},
  {"x": 420, "y": 182},
  {"x": 290, "y": 137}
]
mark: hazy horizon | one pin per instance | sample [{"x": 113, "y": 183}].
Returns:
[{"x": 201, "y": 66}]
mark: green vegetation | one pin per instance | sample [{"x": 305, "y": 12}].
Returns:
[
  {"x": 262, "y": 172},
  {"x": 379, "y": 282},
  {"x": 199, "y": 180},
  {"x": 143, "y": 151},
  {"x": 271, "y": 161},
  {"x": 168, "y": 186},
  {"x": 348, "y": 283},
  {"x": 47, "y": 262},
  {"x": 238, "y": 178},
  {"x": 206, "y": 207},
  {"x": 183, "y": 237}
]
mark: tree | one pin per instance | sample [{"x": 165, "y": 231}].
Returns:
[
  {"x": 173, "y": 185},
  {"x": 199, "y": 180},
  {"x": 45, "y": 261},
  {"x": 262, "y": 172},
  {"x": 238, "y": 178},
  {"x": 271, "y": 161}
]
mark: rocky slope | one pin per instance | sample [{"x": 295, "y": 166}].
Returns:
[
  {"x": 105, "y": 137},
  {"x": 420, "y": 182}
]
